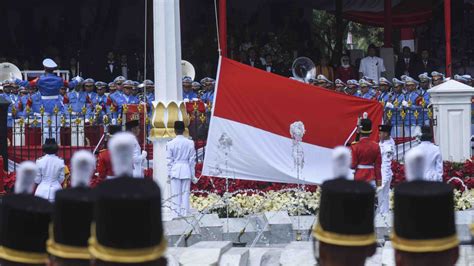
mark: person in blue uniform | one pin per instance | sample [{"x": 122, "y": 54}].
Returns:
[
  {"x": 395, "y": 104},
  {"x": 128, "y": 97},
  {"x": 385, "y": 94},
  {"x": 91, "y": 96},
  {"x": 6, "y": 94},
  {"x": 365, "y": 90},
  {"x": 100, "y": 106},
  {"x": 424, "y": 98},
  {"x": 77, "y": 99},
  {"x": 208, "y": 96},
  {"x": 188, "y": 93},
  {"x": 412, "y": 97},
  {"x": 352, "y": 87},
  {"x": 48, "y": 86}
]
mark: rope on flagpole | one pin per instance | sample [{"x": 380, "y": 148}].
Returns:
[
  {"x": 145, "y": 98},
  {"x": 217, "y": 29}
]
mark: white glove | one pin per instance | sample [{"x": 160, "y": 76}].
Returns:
[
  {"x": 78, "y": 79},
  {"x": 404, "y": 103},
  {"x": 389, "y": 105},
  {"x": 195, "y": 180},
  {"x": 379, "y": 189},
  {"x": 144, "y": 155}
]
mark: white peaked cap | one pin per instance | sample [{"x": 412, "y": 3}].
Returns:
[
  {"x": 341, "y": 159},
  {"x": 415, "y": 164},
  {"x": 121, "y": 148},
  {"x": 49, "y": 63},
  {"x": 25, "y": 178},
  {"x": 82, "y": 168}
]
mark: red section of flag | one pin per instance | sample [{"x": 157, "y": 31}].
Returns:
[{"x": 272, "y": 103}]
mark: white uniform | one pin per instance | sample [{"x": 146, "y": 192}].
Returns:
[
  {"x": 387, "y": 150},
  {"x": 181, "y": 156},
  {"x": 372, "y": 67},
  {"x": 50, "y": 176},
  {"x": 137, "y": 161},
  {"x": 433, "y": 160}
]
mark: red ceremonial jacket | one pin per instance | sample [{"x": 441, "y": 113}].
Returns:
[
  {"x": 104, "y": 168},
  {"x": 366, "y": 160}
]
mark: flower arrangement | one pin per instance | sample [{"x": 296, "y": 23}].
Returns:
[{"x": 295, "y": 202}]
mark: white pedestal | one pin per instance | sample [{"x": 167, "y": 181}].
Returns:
[{"x": 452, "y": 113}]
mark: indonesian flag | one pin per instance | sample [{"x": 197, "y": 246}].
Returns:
[{"x": 249, "y": 136}]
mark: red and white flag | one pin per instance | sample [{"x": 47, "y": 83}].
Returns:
[{"x": 249, "y": 136}]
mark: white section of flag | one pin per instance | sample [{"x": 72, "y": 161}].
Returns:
[{"x": 260, "y": 155}]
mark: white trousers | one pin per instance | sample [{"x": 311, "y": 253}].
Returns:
[
  {"x": 180, "y": 192},
  {"x": 383, "y": 197}
]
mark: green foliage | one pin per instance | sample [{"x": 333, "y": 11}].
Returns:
[{"x": 324, "y": 33}]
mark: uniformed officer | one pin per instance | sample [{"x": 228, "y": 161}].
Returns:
[
  {"x": 396, "y": 104},
  {"x": 77, "y": 100},
  {"x": 139, "y": 157},
  {"x": 127, "y": 96},
  {"x": 424, "y": 229},
  {"x": 345, "y": 238},
  {"x": 104, "y": 165},
  {"x": 181, "y": 160},
  {"x": 100, "y": 100},
  {"x": 208, "y": 96},
  {"x": 49, "y": 85},
  {"x": 323, "y": 81},
  {"x": 119, "y": 83},
  {"x": 112, "y": 87},
  {"x": 24, "y": 221},
  {"x": 385, "y": 95},
  {"x": 413, "y": 109},
  {"x": 197, "y": 88},
  {"x": 188, "y": 93},
  {"x": 340, "y": 86},
  {"x": 387, "y": 149},
  {"x": 352, "y": 87},
  {"x": 72, "y": 217},
  {"x": 365, "y": 90},
  {"x": 437, "y": 78},
  {"x": 127, "y": 229},
  {"x": 366, "y": 158},
  {"x": 7, "y": 95},
  {"x": 432, "y": 153}
]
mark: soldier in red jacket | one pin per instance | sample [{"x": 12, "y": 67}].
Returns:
[
  {"x": 366, "y": 157},
  {"x": 104, "y": 164}
]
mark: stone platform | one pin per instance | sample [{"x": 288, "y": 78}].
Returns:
[{"x": 273, "y": 238}]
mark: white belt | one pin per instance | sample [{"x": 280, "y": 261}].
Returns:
[
  {"x": 110, "y": 177},
  {"x": 361, "y": 166},
  {"x": 54, "y": 97}
]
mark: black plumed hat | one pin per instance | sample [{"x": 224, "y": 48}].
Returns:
[
  {"x": 131, "y": 124},
  {"x": 385, "y": 128},
  {"x": 179, "y": 125},
  {"x": 365, "y": 126},
  {"x": 24, "y": 226},
  {"x": 346, "y": 214},
  {"x": 426, "y": 133},
  {"x": 114, "y": 129},
  {"x": 128, "y": 226},
  {"x": 72, "y": 218},
  {"x": 50, "y": 146},
  {"x": 424, "y": 217}
]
